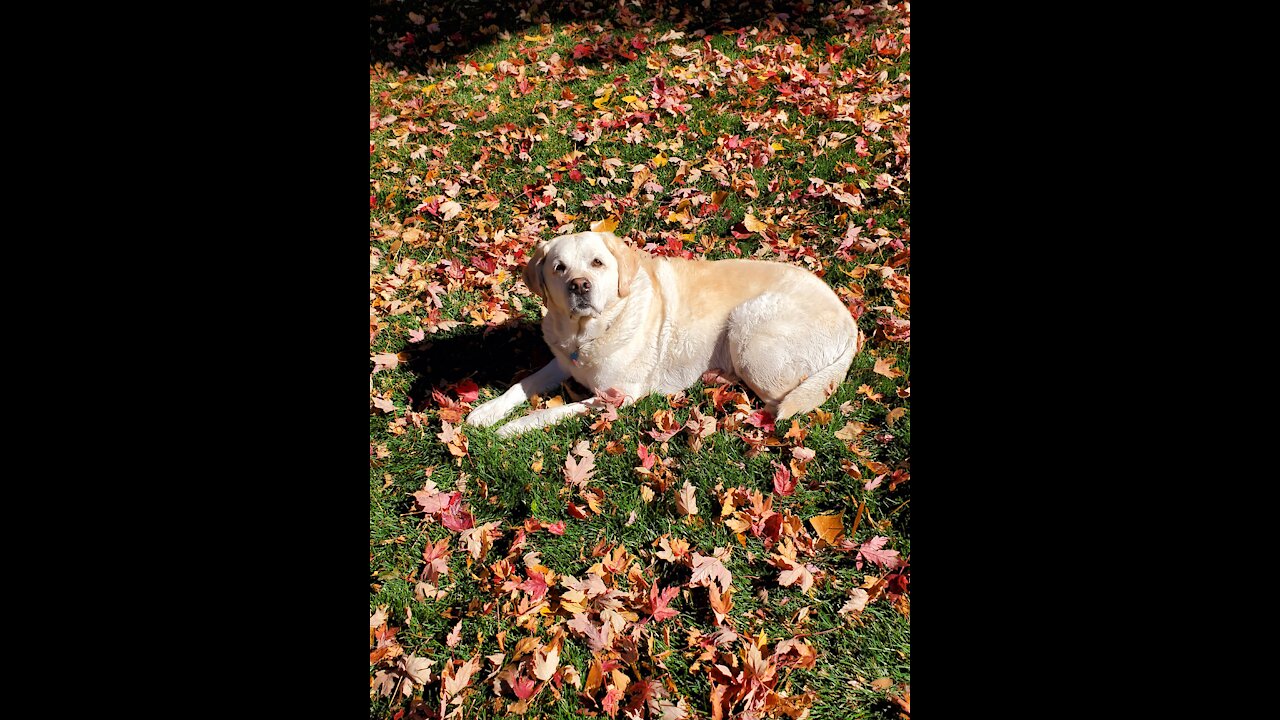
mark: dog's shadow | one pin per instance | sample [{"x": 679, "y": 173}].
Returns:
[{"x": 493, "y": 357}]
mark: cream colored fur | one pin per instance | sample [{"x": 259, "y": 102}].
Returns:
[{"x": 650, "y": 324}]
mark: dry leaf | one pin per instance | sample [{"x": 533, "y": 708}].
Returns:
[
  {"x": 884, "y": 366},
  {"x": 829, "y": 527},
  {"x": 545, "y": 664},
  {"x": 686, "y": 500}
]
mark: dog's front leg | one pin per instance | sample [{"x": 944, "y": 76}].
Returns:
[
  {"x": 497, "y": 408},
  {"x": 544, "y": 417},
  {"x": 549, "y": 416}
]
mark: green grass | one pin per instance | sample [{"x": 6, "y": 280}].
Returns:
[{"x": 500, "y": 482}]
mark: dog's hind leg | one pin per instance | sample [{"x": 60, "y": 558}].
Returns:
[{"x": 792, "y": 360}]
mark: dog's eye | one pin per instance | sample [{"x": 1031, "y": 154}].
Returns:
[
  {"x": 597, "y": 263},
  {"x": 559, "y": 267}
]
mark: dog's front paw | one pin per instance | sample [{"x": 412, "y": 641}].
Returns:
[{"x": 487, "y": 414}]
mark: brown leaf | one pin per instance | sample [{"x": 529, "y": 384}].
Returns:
[
  {"x": 884, "y": 366},
  {"x": 895, "y": 415},
  {"x": 883, "y": 683},
  {"x": 850, "y": 431}
]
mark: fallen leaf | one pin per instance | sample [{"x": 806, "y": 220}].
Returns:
[
  {"x": 872, "y": 552},
  {"x": 545, "y": 664},
  {"x": 579, "y": 472},
  {"x": 753, "y": 224},
  {"x": 456, "y": 679},
  {"x": 850, "y": 431},
  {"x": 707, "y": 568},
  {"x": 783, "y": 484},
  {"x": 762, "y": 420},
  {"x": 385, "y": 361},
  {"x": 606, "y": 225},
  {"x": 523, "y": 687},
  {"x": 658, "y": 601},
  {"x": 450, "y": 209},
  {"x": 686, "y": 500},
  {"x": 829, "y": 527},
  {"x": 884, "y": 366},
  {"x": 455, "y": 636},
  {"x": 857, "y": 601}
]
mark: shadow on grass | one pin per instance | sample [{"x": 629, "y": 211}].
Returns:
[
  {"x": 496, "y": 358},
  {"x": 415, "y": 35}
]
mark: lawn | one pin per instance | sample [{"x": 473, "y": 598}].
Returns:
[{"x": 688, "y": 557}]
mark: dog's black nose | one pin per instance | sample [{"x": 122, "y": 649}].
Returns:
[{"x": 579, "y": 286}]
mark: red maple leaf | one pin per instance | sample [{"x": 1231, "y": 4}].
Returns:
[
  {"x": 658, "y": 601},
  {"x": 646, "y": 458},
  {"x": 523, "y": 687},
  {"x": 536, "y": 585},
  {"x": 871, "y": 552},
  {"x": 783, "y": 483},
  {"x": 456, "y": 516},
  {"x": 467, "y": 390},
  {"x": 610, "y": 702},
  {"x": 762, "y": 420}
]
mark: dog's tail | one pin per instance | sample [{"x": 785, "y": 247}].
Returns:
[{"x": 815, "y": 389}]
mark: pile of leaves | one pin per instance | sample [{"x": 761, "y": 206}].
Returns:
[{"x": 686, "y": 556}]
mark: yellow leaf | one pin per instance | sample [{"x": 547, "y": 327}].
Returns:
[
  {"x": 630, "y": 98},
  {"x": 606, "y": 225},
  {"x": 534, "y": 38},
  {"x": 829, "y": 527},
  {"x": 603, "y": 100},
  {"x": 429, "y": 88},
  {"x": 487, "y": 67},
  {"x": 776, "y": 146},
  {"x": 659, "y": 160},
  {"x": 753, "y": 224}
]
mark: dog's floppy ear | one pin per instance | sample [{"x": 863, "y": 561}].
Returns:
[
  {"x": 628, "y": 264},
  {"x": 533, "y": 272}
]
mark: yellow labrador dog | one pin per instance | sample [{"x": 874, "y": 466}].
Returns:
[{"x": 620, "y": 318}]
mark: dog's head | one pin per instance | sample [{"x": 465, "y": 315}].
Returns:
[{"x": 581, "y": 274}]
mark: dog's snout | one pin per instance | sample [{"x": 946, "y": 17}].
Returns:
[{"x": 579, "y": 286}]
